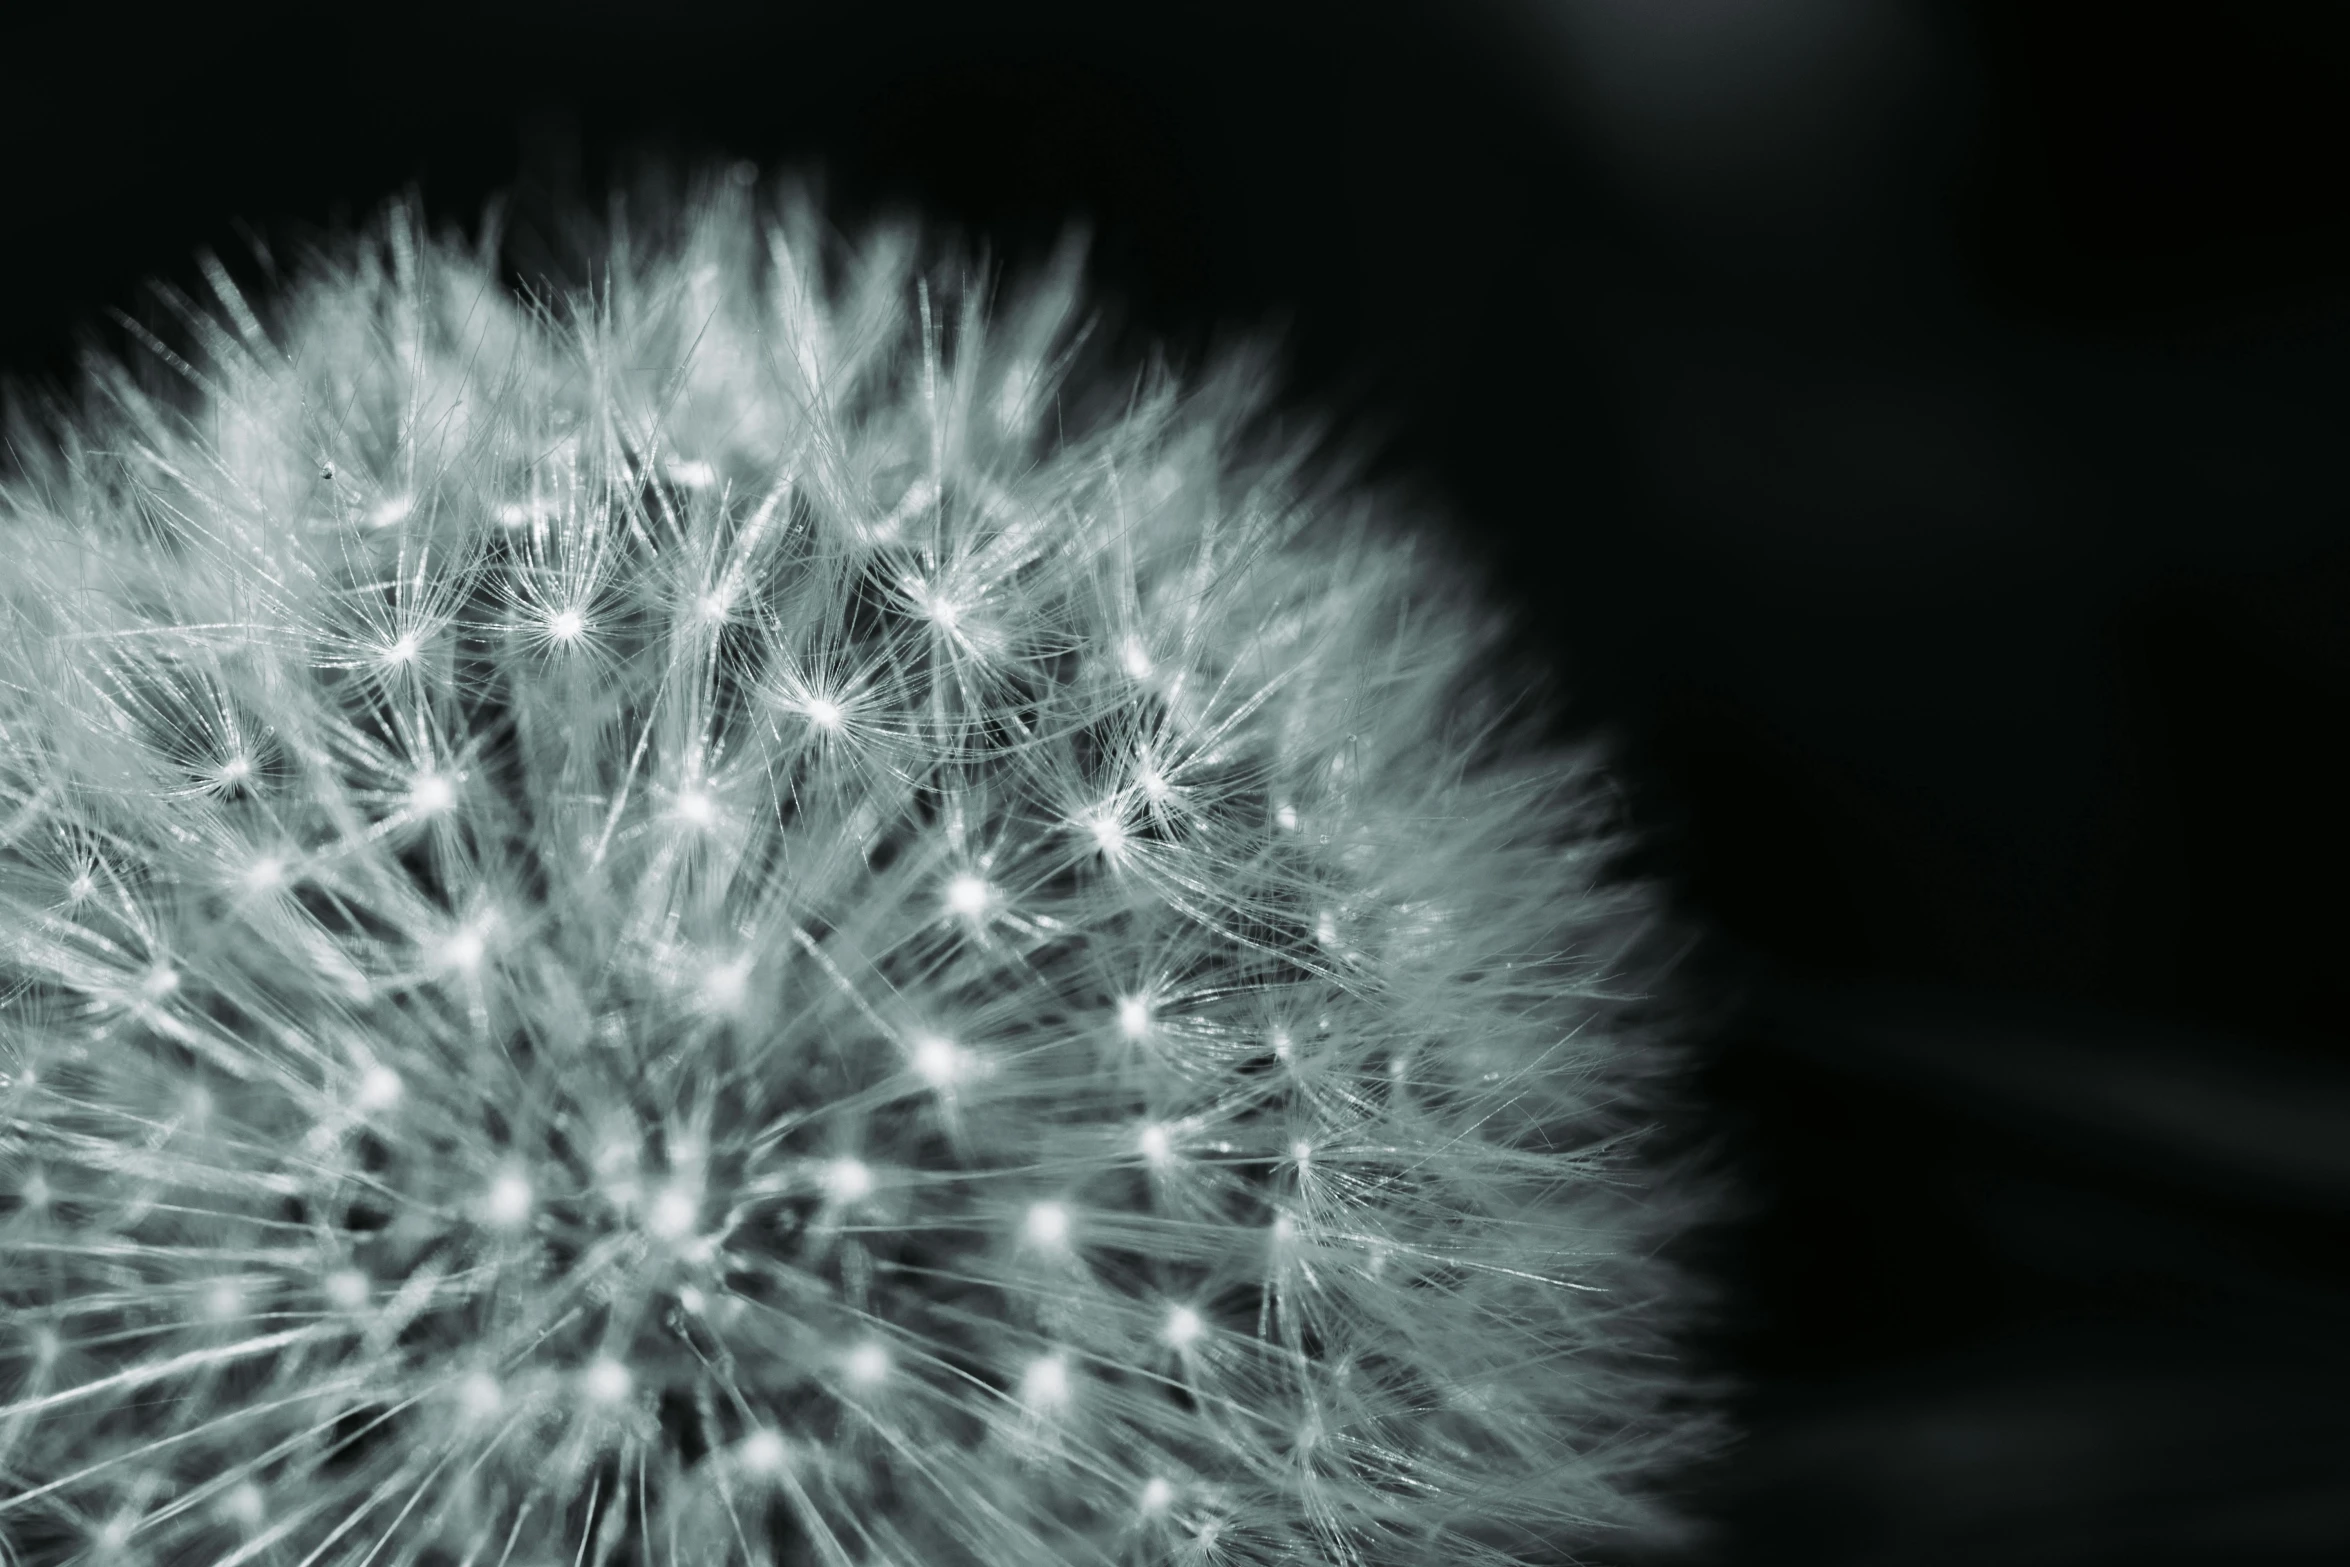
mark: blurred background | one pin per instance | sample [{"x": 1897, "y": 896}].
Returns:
[{"x": 1914, "y": 429}]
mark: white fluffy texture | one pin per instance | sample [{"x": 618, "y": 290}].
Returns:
[{"x": 699, "y": 926}]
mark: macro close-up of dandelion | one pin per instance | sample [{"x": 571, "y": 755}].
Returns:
[{"x": 734, "y": 915}]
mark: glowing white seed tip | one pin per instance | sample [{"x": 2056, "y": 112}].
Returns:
[
  {"x": 693, "y": 1300},
  {"x": 1048, "y": 1224},
  {"x": 938, "y": 1060},
  {"x": 1326, "y": 929},
  {"x": 391, "y": 510},
  {"x": 508, "y": 1201},
  {"x": 1184, "y": 1326},
  {"x": 236, "y": 769},
  {"x": 1284, "y": 1230},
  {"x": 224, "y": 1300},
  {"x": 1281, "y": 1044},
  {"x": 244, "y": 1504},
  {"x": 867, "y": 1364},
  {"x": 607, "y": 1381},
  {"x": 1134, "y": 1017},
  {"x": 1157, "y": 1146},
  {"x": 161, "y": 981},
  {"x": 1157, "y": 1495},
  {"x": 763, "y": 1453},
  {"x": 1153, "y": 784},
  {"x": 1109, "y": 833},
  {"x": 402, "y": 650},
  {"x": 714, "y": 606},
  {"x": 379, "y": 1088},
  {"x": 566, "y": 624},
  {"x": 347, "y": 1288},
  {"x": 696, "y": 809},
  {"x": 1301, "y": 1151},
  {"x": 1136, "y": 659},
  {"x": 265, "y": 873},
  {"x": 432, "y": 794},
  {"x": 1046, "y": 1384},
  {"x": 823, "y": 712},
  {"x": 847, "y": 1180},
  {"x": 673, "y": 1213},
  {"x": 464, "y": 950},
  {"x": 81, "y": 887},
  {"x": 693, "y": 474},
  {"x": 968, "y": 896},
  {"x": 1287, "y": 817},
  {"x": 479, "y": 1395},
  {"x": 724, "y": 986}
]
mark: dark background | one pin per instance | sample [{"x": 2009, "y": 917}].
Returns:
[{"x": 1914, "y": 428}]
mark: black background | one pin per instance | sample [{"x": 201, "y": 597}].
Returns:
[{"x": 1914, "y": 429}]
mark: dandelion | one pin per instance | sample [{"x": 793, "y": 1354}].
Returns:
[{"x": 730, "y": 921}]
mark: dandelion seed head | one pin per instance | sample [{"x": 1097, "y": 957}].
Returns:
[{"x": 785, "y": 1026}]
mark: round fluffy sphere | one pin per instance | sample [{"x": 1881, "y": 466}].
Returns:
[{"x": 720, "y": 921}]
